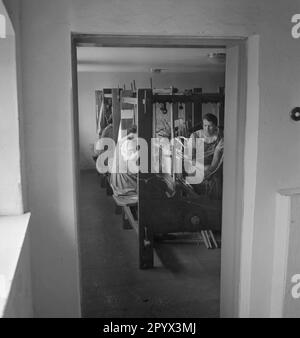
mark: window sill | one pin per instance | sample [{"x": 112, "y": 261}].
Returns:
[{"x": 12, "y": 234}]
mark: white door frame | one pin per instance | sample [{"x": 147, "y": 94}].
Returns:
[{"x": 237, "y": 223}]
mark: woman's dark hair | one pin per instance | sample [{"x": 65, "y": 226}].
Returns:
[{"x": 211, "y": 118}]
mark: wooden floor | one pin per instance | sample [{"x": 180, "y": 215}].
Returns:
[{"x": 184, "y": 283}]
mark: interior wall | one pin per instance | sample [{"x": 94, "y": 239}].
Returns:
[
  {"x": 89, "y": 82},
  {"x": 46, "y": 70},
  {"x": 278, "y": 140},
  {"x": 46, "y": 64}
]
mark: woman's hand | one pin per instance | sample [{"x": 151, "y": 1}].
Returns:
[{"x": 166, "y": 130}]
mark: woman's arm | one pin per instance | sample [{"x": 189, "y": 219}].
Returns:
[{"x": 216, "y": 161}]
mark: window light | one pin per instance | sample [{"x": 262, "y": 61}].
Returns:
[{"x": 2, "y": 26}]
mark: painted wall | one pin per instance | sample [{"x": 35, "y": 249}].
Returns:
[
  {"x": 89, "y": 82},
  {"x": 279, "y": 139},
  {"x": 46, "y": 70},
  {"x": 46, "y": 65}
]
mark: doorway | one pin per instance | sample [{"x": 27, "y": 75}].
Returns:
[{"x": 234, "y": 125}]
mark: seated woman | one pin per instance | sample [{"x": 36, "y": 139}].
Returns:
[
  {"x": 125, "y": 183},
  {"x": 98, "y": 146},
  {"x": 213, "y": 157}
]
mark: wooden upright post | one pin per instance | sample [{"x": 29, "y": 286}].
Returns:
[
  {"x": 116, "y": 113},
  {"x": 145, "y": 118},
  {"x": 197, "y": 108}
]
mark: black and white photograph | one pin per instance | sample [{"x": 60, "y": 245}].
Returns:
[{"x": 149, "y": 161}]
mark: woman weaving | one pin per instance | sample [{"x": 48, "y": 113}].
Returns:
[{"x": 213, "y": 157}]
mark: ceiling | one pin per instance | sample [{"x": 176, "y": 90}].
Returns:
[{"x": 132, "y": 59}]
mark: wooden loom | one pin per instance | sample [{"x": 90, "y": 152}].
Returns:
[{"x": 185, "y": 211}]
